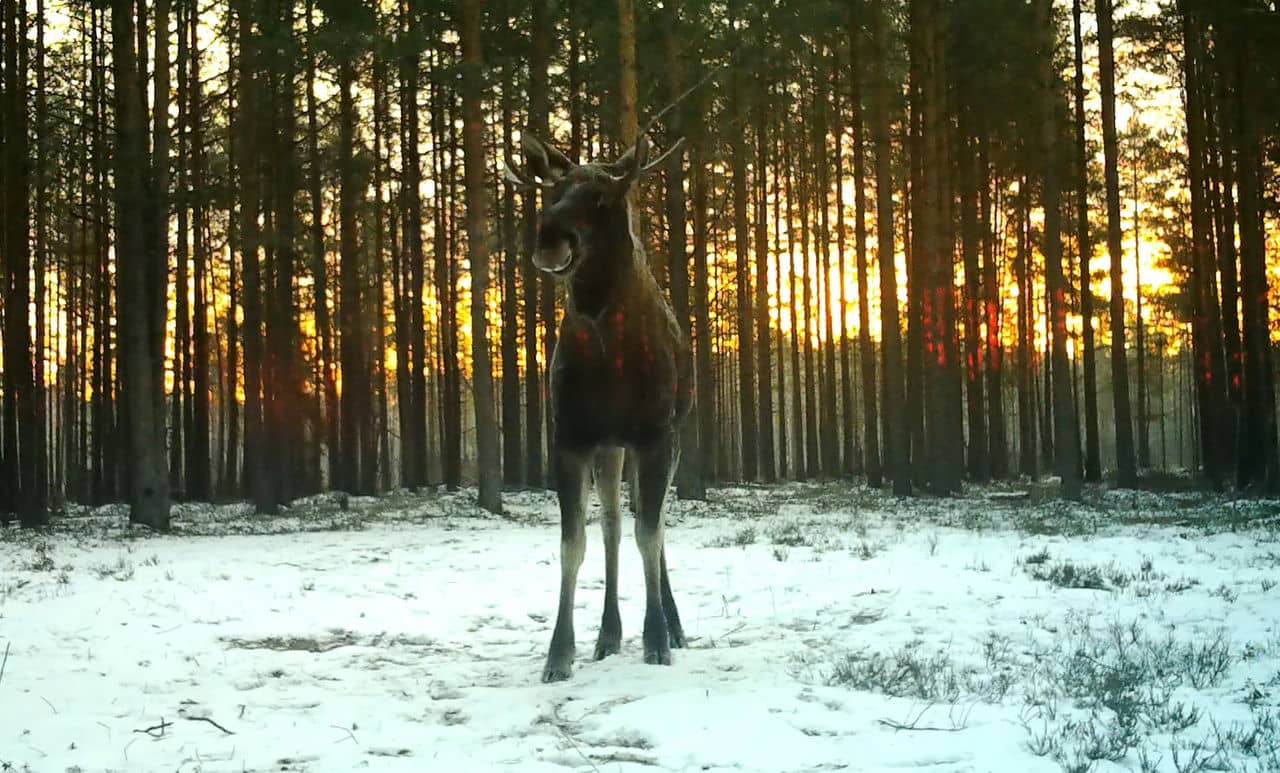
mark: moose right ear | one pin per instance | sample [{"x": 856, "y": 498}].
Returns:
[{"x": 544, "y": 162}]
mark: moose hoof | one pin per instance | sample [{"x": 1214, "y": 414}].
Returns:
[
  {"x": 657, "y": 656},
  {"x": 559, "y": 667},
  {"x": 557, "y": 673},
  {"x": 677, "y": 639},
  {"x": 606, "y": 647}
]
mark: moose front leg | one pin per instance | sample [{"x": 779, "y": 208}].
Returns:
[
  {"x": 608, "y": 486},
  {"x": 654, "y": 466},
  {"x": 573, "y": 480}
]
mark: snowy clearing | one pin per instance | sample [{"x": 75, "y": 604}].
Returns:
[{"x": 831, "y": 628}]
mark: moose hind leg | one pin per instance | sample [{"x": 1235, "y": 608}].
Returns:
[
  {"x": 674, "y": 629},
  {"x": 608, "y": 486},
  {"x": 653, "y": 472},
  {"x": 573, "y": 479}
]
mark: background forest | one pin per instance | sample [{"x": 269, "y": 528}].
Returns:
[{"x": 263, "y": 248}]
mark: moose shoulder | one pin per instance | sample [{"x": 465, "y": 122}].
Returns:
[{"x": 621, "y": 378}]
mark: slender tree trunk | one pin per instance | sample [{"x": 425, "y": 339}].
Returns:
[
  {"x": 764, "y": 393},
  {"x": 198, "y": 478},
  {"x": 705, "y": 410},
  {"x": 850, "y": 448},
  {"x": 478, "y": 247},
  {"x": 1026, "y": 331},
  {"x": 804, "y": 184},
  {"x": 831, "y": 465},
  {"x": 536, "y": 291},
  {"x": 970, "y": 247},
  {"x": 866, "y": 352},
  {"x": 741, "y": 250},
  {"x": 784, "y": 449},
  {"x": 797, "y": 401},
  {"x": 512, "y": 450},
  {"x": 897, "y": 437},
  {"x": 1143, "y": 417},
  {"x": 1066, "y": 452},
  {"x": 1125, "y": 462},
  {"x": 1092, "y": 441}
]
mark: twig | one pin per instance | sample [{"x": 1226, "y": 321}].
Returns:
[
  {"x": 50, "y": 705},
  {"x": 5, "y": 662},
  {"x": 350, "y": 735},
  {"x": 210, "y": 721},
  {"x": 151, "y": 731},
  {"x": 574, "y": 744},
  {"x": 914, "y": 724}
]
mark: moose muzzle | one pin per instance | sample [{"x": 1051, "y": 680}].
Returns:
[{"x": 555, "y": 249}]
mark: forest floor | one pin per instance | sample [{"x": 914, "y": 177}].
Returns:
[{"x": 831, "y": 627}]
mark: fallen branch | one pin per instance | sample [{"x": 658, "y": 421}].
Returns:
[
  {"x": 5, "y": 662},
  {"x": 210, "y": 721},
  {"x": 156, "y": 731}
]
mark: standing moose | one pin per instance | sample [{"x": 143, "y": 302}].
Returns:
[{"x": 621, "y": 378}]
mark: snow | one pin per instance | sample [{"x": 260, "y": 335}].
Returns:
[{"x": 408, "y": 634}]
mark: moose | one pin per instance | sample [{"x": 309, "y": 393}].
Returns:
[{"x": 621, "y": 379}]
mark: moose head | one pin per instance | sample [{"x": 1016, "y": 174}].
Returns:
[{"x": 585, "y": 217}]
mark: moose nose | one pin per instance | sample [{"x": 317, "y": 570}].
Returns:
[{"x": 554, "y": 250}]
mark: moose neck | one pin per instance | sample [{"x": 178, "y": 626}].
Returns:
[{"x": 607, "y": 279}]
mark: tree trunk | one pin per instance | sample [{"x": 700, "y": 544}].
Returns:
[
  {"x": 764, "y": 389},
  {"x": 24, "y": 452},
  {"x": 705, "y": 405},
  {"x": 512, "y": 449},
  {"x": 327, "y": 401},
  {"x": 1066, "y": 452},
  {"x": 741, "y": 249},
  {"x": 535, "y": 289},
  {"x": 477, "y": 245},
  {"x": 1259, "y": 465},
  {"x": 831, "y": 465},
  {"x": 689, "y": 481},
  {"x": 866, "y": 352},
  {"x": 198, "y": 478},
  {"x": 896, "y": 437},
  {"x": 1026, "y": 331},
  {"x": 355, "y": 386},
  {"x": 1126, "y": 464},
  {"x": 141, "y": 388},
  {"x": 1092, "y": 441}
]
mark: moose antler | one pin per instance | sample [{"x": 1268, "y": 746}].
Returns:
[
  {"x": 658, "y": 161},
  {"x": 510, "y": 174}
]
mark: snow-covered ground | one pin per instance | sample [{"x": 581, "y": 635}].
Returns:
[{"x": 830, "y": 628}]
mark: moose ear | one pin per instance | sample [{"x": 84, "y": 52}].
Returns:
[
  {"x": 629, "y": 164},
  {"x": 544, "y": 162}
]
